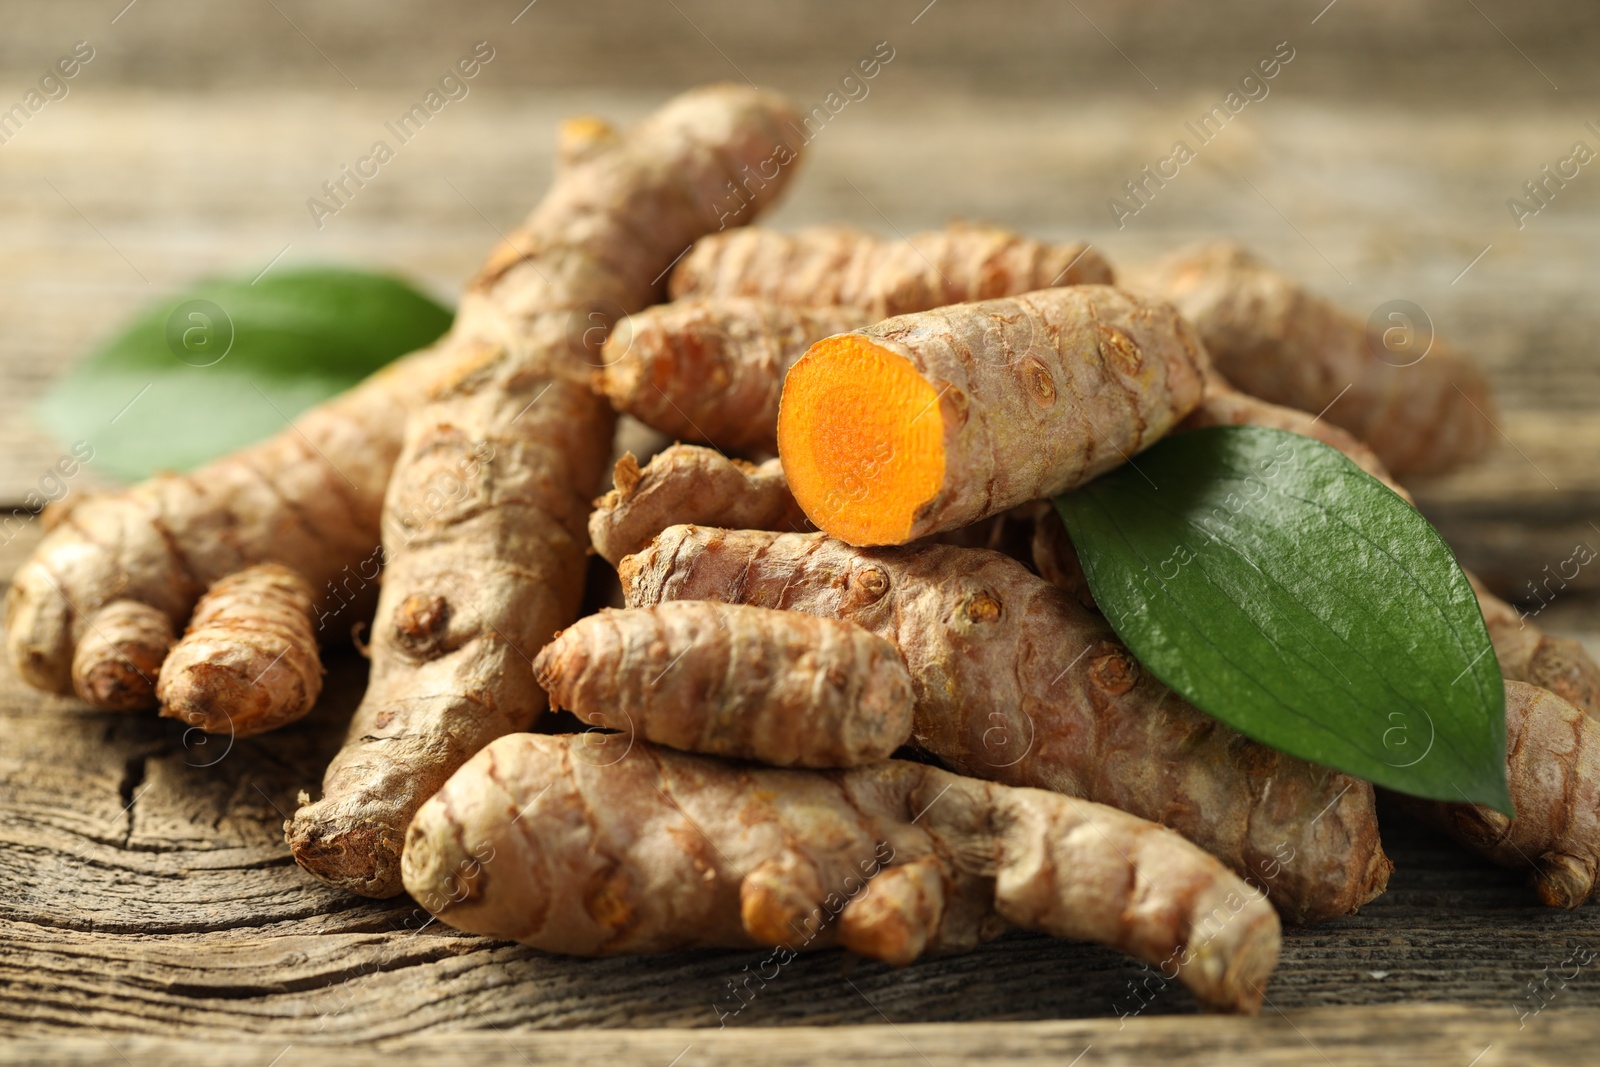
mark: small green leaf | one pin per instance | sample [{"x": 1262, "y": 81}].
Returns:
[
  {"x": 229, "y": 362},
  {"x": 1278, "y": 587}
]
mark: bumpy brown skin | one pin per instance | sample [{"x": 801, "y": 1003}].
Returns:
[
  {"x": 661, "y": 851},
  {"x": 689, "y": 484},
  {"x": 836, "y": 265},
  {"x": 249, "y": 661},
  {"x": 479, "y": 577},
  {"x": 778, "y": 687},
  {"x": 711, "y": 370},
  {"x": 1277, "y": 340},
  {"x": 1526, "y": 653},
  {"x": 1553, "y": 769},
  {"x": 116, "y": 664},
  {"x": 1018, "y": 684},
  {"x": 1036, "y": 393}
]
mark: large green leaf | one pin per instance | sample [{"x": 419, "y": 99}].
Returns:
[
  {"x": 1278, "y": 587},
  {"x": 228, "y": 362}
]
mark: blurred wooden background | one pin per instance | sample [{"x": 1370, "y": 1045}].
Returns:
[{"x": 1378, "y": 167}]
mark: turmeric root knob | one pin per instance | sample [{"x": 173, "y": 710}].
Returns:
[
  {"x": 752, "y": 683},
  {"x": 689, "y": 484},
  {"x": 249, "y": 661},
  {"x": 892, "y": 923},
  {"x": 1281, "y": 342},
  {"x": 712, "y": 369},
  {"x": 1553, "y": 770},
  {"x": 838, "y": 266},
  {"x": 861, "y": 437},
  {"x": 115, "y": 665}
]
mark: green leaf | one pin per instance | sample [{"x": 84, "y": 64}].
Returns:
[
  {"x": 229, "y": 362},
  {"x": 1278, "y": 587}
]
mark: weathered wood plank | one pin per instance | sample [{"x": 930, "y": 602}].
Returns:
[{"x": 1409, "y": 1035}]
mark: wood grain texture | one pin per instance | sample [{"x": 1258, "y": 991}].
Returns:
[
  {"x": 1369, "y": 1037},
  {"x": 1409, "y": 48}
]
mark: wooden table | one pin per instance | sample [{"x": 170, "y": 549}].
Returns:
[{"x": 147, "y": 902}]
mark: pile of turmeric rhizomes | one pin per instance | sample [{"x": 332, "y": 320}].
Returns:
[{"x": 888, "y": 583}]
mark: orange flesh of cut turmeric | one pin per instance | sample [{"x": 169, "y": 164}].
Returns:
[
  {"x": 862, "y": 439},
  {"x": 935, "y": 420}
]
